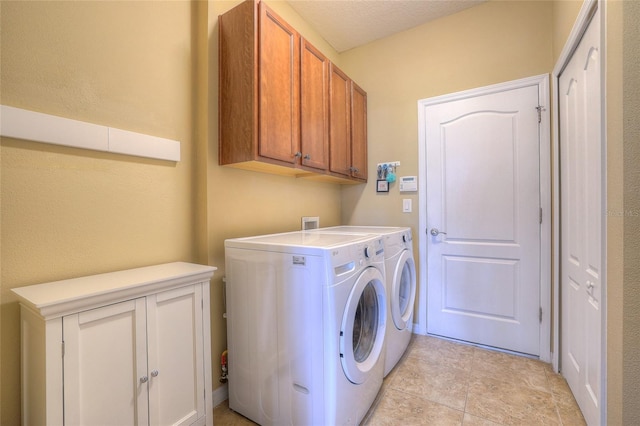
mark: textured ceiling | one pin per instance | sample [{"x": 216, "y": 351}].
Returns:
[{"x": 346, "y": 24}]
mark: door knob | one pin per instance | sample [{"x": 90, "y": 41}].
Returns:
[
  {"x": 435, "y": 232},
  {"x": 155, "y": 373},
  {"x": 144, "y": 379}
]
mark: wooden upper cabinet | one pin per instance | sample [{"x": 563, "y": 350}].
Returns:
[
  {"x": 279, "y": 88},
  {"x": 340, "y": 127},
  {"x": 358, "y": 132},
  {"x": 348, "y": 127},
  {"x": 314, "y": 111},
  {"x": 259, "y": 83},
  {"x": 283, "y": 107}
]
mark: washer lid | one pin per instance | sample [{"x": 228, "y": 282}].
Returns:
[
  {"x": 379, "y": 230},
  {"x": 314, "y": 239}
]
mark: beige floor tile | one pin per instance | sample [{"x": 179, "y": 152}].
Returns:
[
  {"x": 433, "y": 381},
  {"x": 567, "y": 407},
  {"x": 517, "y": 370},
  {"x": 508, "y": 403},
  {"x": 440, "y": 382},
  {"x": 470, "y": 420},
  {"x": 442, "y": 352},
  {"x": 400, "y": 408},
  {"x": 224, "y": 416}
]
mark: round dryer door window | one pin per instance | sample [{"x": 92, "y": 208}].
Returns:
[
  {"x": 403, "y": 290},
  {"x": 363, "y": 326}
]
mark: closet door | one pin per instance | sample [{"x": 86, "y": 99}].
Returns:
[
  {"x": 581, "y": 151},
  {"x": 176, "y": 356},
  {"x": 105, "y": 365}
]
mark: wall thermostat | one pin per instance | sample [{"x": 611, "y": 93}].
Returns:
[{"x": 408, "y": 183}]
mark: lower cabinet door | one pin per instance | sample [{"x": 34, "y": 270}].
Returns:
[
  {"x": 175, "y": 356},
  {"x": 105, "y": 365}
]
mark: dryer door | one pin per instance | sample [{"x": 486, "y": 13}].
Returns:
[
  {"x": 363, "y": 326},
  {"x": 403, "y": 290}
]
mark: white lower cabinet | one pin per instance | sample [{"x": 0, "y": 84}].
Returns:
[{"x": 135, "y": 354}]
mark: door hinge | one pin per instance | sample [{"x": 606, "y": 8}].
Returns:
[
  {"x": 540, "y": 215},
  {"x": 540, "y": 314},
  {"x": 540, "y": 108}
]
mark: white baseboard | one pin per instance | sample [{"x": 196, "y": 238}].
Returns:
[{"x": 220, "y": 395}]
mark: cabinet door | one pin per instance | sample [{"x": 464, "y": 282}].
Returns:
[
  {"x": 339, "y": 125},
  {"x": 176, "y": 358},
  {"x": 104, "y": 361},
  {"x": 358, "y": 132},
  {"x": 314, "y": 107},
  {"x": 279, "y": 88}
]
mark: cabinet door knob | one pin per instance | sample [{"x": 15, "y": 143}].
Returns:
[
  {"x": 155, "y": 373},
  {"x": 144, "y": 379},
  {"x": 307, "y": 157},
  {"x": 298, "y": 154}
]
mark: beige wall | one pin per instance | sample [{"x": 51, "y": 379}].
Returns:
[
  {"x": 69, "y": 212},
  {"x": 631, "y": 154},
  {"x": 615, "y": 203},
  {"x": 487, "y": 44},
  {"x": 623, "y": 208},
  {"x": 564, "y": 16},
  {"x": 151, "y": 67},
  {"x": 140, "y": 66}
]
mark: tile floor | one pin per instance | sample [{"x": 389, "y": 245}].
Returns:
[{"x": 439, "y": 382}]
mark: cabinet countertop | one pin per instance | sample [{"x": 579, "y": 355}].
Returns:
[{"x": 56, "y": 298}]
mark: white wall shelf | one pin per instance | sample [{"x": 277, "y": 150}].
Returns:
[{"x": 44, "y": 128}]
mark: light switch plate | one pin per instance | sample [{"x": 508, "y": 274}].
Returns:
[{"x": 406, "y": 205}]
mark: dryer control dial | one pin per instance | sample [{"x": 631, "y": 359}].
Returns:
[{"x": 369, "y": 252}]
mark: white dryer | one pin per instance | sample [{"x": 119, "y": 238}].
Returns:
[
  {"x": 400, "y": 282},
  {"x": 306, "y": 320}
]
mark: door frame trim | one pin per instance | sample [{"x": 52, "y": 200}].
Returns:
[
  {"x": 542, "y": 82},
  {"x": 581, "y": 24}
]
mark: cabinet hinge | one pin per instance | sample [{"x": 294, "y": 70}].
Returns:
[
  {"x": 62, "y": 348},
  {"x": 540, "y": 108},
  {"x": 540, "y": 314},
  {"x": 540, "y": 215}
]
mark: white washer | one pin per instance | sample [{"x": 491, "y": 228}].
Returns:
[
  {"x": 400, "y": 282},
  {"x": 306, "y": 320}
]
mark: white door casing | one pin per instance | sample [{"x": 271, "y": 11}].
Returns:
[
  {"x": 581, "y": 220},
  {"x": 484, "y": 163}
]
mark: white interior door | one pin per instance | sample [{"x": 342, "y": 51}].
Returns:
[
  {"x": 483, "y": 218},
  {"x": 580, "y": 104}
]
